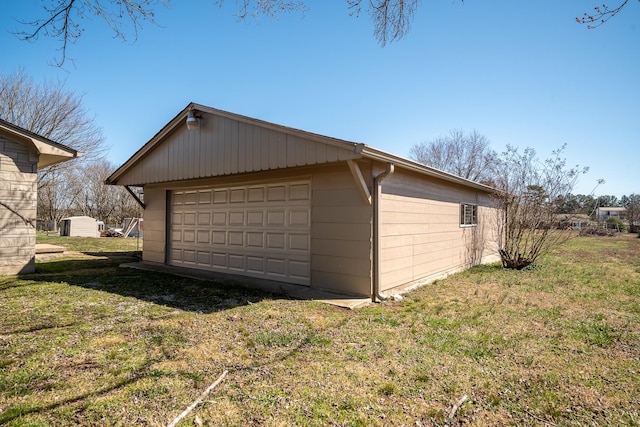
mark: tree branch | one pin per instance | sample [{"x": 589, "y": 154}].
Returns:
[{"x": 602, "y": 14}]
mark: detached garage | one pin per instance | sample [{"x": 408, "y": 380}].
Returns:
[{"x": 236, "y": 195}]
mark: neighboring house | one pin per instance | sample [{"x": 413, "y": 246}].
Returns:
[
  {"x": 606, "y": 212},
  {"x": 81, "y": 226},
  {"x": 22, "y": 153},
  {"x": 573, "y": 221},
  {"x": 232, "y": 194}
]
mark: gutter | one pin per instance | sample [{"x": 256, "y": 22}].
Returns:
[{"x": 377, "y": 191}]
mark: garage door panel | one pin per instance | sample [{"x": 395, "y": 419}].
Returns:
[
  {"x": 236, "y": 238},
  {"x": 255, "y": 240},
  {"x": 219, "y": 260},
  {"x": 204, "y": 257},
  {"x": 190, "y": 197},
  {"x": 299, "y": 242},
  {"x": 275, "y": 218},
  {"x": 255, "y": 194},
  {"x": 219, "y": 218},
  {"x": 300, "y": 191},
  {"x": 204, "y": 197},
  {"x": 259, "y": 230},
  {"x": 299, "y": 269},
  {"x": 276, "y": 193},
  {"x": 204, "y": 218},
  {"x": 220, "y": 196},
  {"x": 203, "y": 236},
  {"x": 276, "y": 266},
  {"x": 219, "y": 237},
  {"x": 237, "y": 195},
  {"x": 255, "y": 264},
  {"x": 189, "y": 256},
  {"x": 299, "y": 218},
  {"x": 236, "y": 262},
  {"x": 189, "y": 218},
  {"x": 255, "y": 218}
]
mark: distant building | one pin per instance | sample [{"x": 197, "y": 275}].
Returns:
[
  {"x": 82, "y": 226},
  {"x": 606, "y": 212}
]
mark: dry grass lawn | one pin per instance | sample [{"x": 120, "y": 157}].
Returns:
[{"x": 84, "y": 342}]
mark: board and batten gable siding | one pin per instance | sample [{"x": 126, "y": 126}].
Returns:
[
  {"x": 225, "y": 146},
  {"x": 18, "y": 201},
  {"x": 420, "y": 232}
]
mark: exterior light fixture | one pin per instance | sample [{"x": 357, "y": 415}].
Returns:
[{"x": 192, "y": 120}]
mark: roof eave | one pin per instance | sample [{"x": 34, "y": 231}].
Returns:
[
  {"x": 49, "y": 152},
  {"x": 375, "y": 154}
]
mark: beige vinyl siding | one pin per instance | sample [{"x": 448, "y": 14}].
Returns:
[
  {"x": 224, "y": 146},
  {"x": 341, "y": 232},
  {"x": 18, "y": 193},
  {"x": 155, "y": 220},
  {"x": 420, "y": 230}
]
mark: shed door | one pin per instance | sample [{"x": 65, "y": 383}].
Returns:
[{"x": 254, "y": 230}]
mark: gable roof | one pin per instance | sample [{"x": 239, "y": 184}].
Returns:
[
  {"x": 49, "y": 152},
  {"x": 276, "y": 147}
]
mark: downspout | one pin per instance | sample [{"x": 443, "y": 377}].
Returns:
[{"x": 377, "y": 191}]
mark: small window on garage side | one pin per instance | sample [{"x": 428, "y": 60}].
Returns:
[{"x": 468, "y": 214}]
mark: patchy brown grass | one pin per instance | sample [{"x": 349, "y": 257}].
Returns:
[{"x": 83, "y": 342}]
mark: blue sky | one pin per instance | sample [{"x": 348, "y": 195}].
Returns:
[{"x": 521, "y": 73}]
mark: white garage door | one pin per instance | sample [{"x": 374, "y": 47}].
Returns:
[{"x": 254, "y": 230}]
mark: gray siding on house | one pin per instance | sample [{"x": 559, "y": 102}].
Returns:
[{"x": 18, "y": 201}]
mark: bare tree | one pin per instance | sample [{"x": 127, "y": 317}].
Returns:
[
  {"x": 529, "y": 197},
  {"x": 57, "y": 198},
  {"x": 108, "y": 203},
  {"x": 391, "y": 18},
  {"x": 468, "y": 156},
  {"x": 51, "y": 111},
  {"x": 632, "y": 204},
  {"x": 57, "y": 114},
  {"x": 63, "y": 19},
  {"x": 95, "y": 199}
]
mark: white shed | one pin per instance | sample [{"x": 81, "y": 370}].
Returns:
[{"x": 82, "y": 226}]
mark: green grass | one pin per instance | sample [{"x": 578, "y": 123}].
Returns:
[
  {"x": 84, "y": 342},
  {"x": 91, "y": 244}
]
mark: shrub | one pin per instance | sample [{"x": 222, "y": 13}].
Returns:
[{"x": 616, "y": 224}]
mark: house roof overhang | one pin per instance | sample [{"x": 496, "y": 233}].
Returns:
[{"x": 49, "y": 152}]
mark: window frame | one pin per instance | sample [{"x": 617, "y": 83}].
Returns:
[{"x": 464, "y": 215}]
